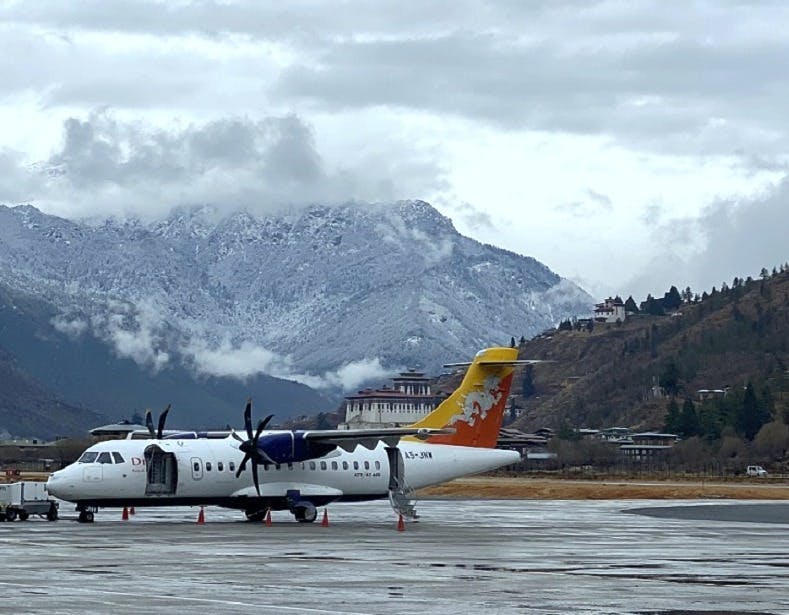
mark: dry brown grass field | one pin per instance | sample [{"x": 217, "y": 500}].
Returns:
[{"x": 485, "y": 487}]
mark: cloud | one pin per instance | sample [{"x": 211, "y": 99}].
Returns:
[
  {"x": 73, "y": 328},
  {"x": 246, "y": 360},
  {"x": 706, "y": 79},
  {"x": 136, "y": 332},
  {"x": 730, "y": 238},
  {"x": 107, "y": 167}
]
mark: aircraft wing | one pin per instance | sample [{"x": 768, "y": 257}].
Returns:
[{"x": 349, "y": 439}]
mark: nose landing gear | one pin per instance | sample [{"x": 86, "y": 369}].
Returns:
[{"x": 85, "y": 514}]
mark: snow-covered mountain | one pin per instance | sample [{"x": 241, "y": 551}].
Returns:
[{"x": 328, "y": 296}]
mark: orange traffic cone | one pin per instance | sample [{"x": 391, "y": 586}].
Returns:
[
  {"x": 325, "y": 521},
  {"x": 131, "y": 510},
  {"x": 201, "y": 517},
  {"x": 125, "y": 515},
  {"x": 268, "y": 517},
  {"x": 400, "y": 524}
]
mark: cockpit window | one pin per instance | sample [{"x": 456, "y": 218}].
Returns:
[
  {"x": 117, "y": 457},
  {"x": 88, "y": 457},
  {"x": 104, "y": 458}
]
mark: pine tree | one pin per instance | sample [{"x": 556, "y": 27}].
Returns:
[
  {"x": 689, "y": 420},
  {"x": 672, "y": 299},
  {"x": 751, "y": 414},
  {"x": 669, "y": 378},
  {"x": 630, "y": 305},
  {"x": 527, "y": 384},
  {"x": 671, "y": 423}
]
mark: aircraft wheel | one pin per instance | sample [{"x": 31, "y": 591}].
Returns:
[
  {"x": 52, "y": 514},
  {"x": 85, "y": 516},
  {"x": 305, "y": 512},
  {"x": 10, "y": 515},
  {"x": 255, "y": 516},
  {"x": 24, "y": 515}
]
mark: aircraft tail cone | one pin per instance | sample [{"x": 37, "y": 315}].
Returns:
[
  {"x": 268, "y": 517},
  {"x": 201, "y": 517},
  {"x": 125, "y": 515},
  {"x": 131, "y": 510},
  {"x": 400, "y": 524},
  {"x": 325, "y": 521}
]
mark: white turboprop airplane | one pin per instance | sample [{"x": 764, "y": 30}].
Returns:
[{"x": 300, "y": 470}]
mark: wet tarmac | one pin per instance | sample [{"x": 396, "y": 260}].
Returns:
[{"x": 461, "y": 557}]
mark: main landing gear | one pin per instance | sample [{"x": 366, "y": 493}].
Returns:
[
  {"x": 303, "y": 511},
  {"x": 256, "y": 516}
]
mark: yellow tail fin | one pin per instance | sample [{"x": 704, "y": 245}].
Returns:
[{"x": 476, "y": 408}]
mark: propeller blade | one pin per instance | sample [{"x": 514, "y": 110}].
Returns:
[
  {"x": 242, "y": 466},
  {"x": 162, "y": 419},
  {"x": 248, "y": 418},
  {"x": 149, "y": 422},
  {"x": 261, "y": 427},
  {"x": 266, "y": 420},
  {"x": 255, "y": 476},
  {"x": 236, "y": 436}
]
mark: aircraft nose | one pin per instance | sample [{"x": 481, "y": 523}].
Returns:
[{"x": 57, "y": 485}]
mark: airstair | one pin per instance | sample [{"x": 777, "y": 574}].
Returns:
[{"x": 402, "y": 499}]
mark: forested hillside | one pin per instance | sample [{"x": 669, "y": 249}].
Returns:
[{"x": 647, "y": 372}]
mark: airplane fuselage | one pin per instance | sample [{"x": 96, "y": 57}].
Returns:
[{"x": 203, "y": 471}]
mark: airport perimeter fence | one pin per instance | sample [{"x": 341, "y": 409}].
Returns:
[{"x": 654, "y": 469}]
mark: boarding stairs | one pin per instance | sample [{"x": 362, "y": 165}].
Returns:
[{"x": 402, "y": 499}]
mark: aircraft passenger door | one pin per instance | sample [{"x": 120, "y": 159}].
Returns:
[
  {"x": 197, "y": 468},
  {"x": 396, "y": 468}
]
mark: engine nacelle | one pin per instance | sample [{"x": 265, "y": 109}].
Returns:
[{"x": 291, "y": 447}]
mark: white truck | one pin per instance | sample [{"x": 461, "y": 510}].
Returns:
[
  {"x": 25, "y": 498},
  {"x": 757, "y": 471}
]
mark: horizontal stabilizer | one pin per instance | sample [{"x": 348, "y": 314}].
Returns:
[{"x": 500, "y": 363}]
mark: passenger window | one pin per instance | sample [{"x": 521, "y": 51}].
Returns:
[
  {"x": 277, "y": 466},
  {"x": 104, "y": 458},
  {"x": 117, "y": 457},
  {"x": 196, "y": 466},
  {"x": 220, "y": 466},
  {"x": 344, "y": 465},
  {"x": 355, "y": 465},
  {"x": 290, "y": 466},
  {"x": 312, "y": 465},
  {"x": 366, "y": 465},
  {"x": 232, "y": 466},
  {"x": 377, "y": 465},
  {"x": 334, "y": 465},
  {"x": 323, "y": 465},
  {"x": 88, "y": 457},
  {"x": 207, "y": 466}
]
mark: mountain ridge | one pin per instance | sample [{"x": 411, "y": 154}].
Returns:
[{"x": 399, "y": 278}]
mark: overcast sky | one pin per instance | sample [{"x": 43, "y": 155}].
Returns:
[{"x": 627, "y": 145}]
